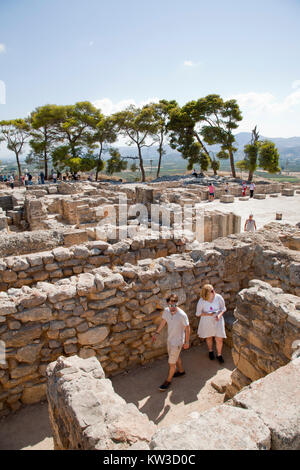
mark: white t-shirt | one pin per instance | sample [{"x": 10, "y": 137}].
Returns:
[
  {"x": 217, "y": 305},
  {"x": 176, "y": 326},
  {"x": 252, "y": 186}
]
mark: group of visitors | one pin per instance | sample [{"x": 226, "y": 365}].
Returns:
[
  {"x": 27, "y": 178},
  {"x": 251, "y": 189},
  {"x": 211, "y": 190},
  {"x": 210, "y": 308},
  {"x": 8, "y": 179}
]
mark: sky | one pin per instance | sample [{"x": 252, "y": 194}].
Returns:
[{"x": 118, "y": 52}]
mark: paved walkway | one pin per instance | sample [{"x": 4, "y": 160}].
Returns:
[
  {"x": 29, "y": 428},
  {"x": 264, "y": 210}
]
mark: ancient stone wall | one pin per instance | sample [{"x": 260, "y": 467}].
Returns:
[
  {"x": 112, "y": 312},
  {"x": 62, "y": 262},
  {"x": 102, "y": 420},
  {"x": 268, "y": 325}
]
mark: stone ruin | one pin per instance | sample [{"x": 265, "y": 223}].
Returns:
[{"x": 74, "y": 297}]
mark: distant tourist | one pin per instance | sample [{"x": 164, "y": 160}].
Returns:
[
  {"x": 178, "y": 337},
  {"x": 42, "y": 176},
  {"x": 250, "y": 225},
  {"x": 210, "y": 309},
  {"x": 252, "y": 187},
  {"x": 30, "y": 179},
  {"x": 226, "y": 188},
  {"x": 195, "y": 174},
  {"x": 54, "y": 176},
  {"x": 12, "y": 181},
  {"x": 244, "y": 188},
  {"x": 211, "y": 190}
]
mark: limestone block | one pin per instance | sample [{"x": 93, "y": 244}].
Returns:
[
  {"x": 93, "y": 335},
  {"x": 259, "y": 196},
  {"x": 75, "y": 237},
  {"x": 244, "y": 198},
  {"x": 61, "y": 254},
  {"x": 97, "y": 420},
  {"x": 227, "y": 198},
  {"x": 7, "y": 307},
  {"x": 287, "y": 192},
  {"x": 34, "y": 394},
  {"x": 276, "y": 400},
  {"x": 41, "y": 314},
  {"x": 221, "y": 428},
  {"x": 23, "y": 336}
]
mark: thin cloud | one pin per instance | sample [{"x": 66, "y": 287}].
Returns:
[
  {"x": 190, "y": 63},
  {"x": 266, "y": 102},
  {"x": 2, "y": 48},
  {"x": 108, "y": 107},
  {"x": 296, "y": 84}
]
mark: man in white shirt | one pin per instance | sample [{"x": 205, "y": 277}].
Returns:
[
  {"x": 252, "y": 187},
  {"x": 178, "y": 337}
]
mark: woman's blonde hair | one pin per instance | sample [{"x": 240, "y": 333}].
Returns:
[{"x": 206, "y": 291}]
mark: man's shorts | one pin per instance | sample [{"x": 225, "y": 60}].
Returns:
[{"x": 173, "y": 352}]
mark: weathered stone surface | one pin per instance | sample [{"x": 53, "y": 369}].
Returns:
[
  {"x": 22, "y": 337},
  {"x": 227, "y": 198},
  {"x": 93, "y": 335},
  {"x": 100, "y": 419},
  {"x": 221, "y": 428},
  {"x": 34, "y": 314},
  {"x": 276, "y": 400},
  {"x": 29, "y": 353}
]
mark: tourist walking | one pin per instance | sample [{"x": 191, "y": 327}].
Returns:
[
  {"x": 226, "y": 188},
  {"x": 244, "y": 187},
  {"x": 42, "y": 176},
  {"x": 211, "y": 308},
  {"x": 252, "y": 187},
  {"x": 211, "y": 189},
  {"x": 54, "y": 176},
  {"x": 250, "y": 225},
  {"x": 178, "y": 337}
]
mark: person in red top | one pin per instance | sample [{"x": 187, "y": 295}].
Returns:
[
  {"x": 244, "y": 188},
  {"x": 211, "y": 192}
]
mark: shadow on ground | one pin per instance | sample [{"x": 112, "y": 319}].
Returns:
[
  {"x": 29, "y": 428},
  {"x": 193, "y": 392}
]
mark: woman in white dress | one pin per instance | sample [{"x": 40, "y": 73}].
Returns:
[{"x": 210, "y": 309}]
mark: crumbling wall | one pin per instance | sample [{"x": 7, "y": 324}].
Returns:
[
  {"x": 268, "y": 323},
  {"x": 102, "y": 420},
  {"x": 97, "y": 420},
  {"x": 111, "y": 313},
  {"x": 62, "y": 262}
]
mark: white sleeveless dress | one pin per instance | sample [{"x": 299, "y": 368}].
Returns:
[{"x": 208, "y": 326}]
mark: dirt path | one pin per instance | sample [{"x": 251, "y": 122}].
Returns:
[{"x": 29, "y": 428}]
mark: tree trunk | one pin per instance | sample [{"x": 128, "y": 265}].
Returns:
[
  {"x": 46, "y": 165},
  {"x": 141, "y": 164},
  {"x": 46, "y": 157},
  {"x": 160, "y": 150},
  {"x": 202, "y": 145},
  {"x": 250, "y": 177},
  {"x": 232, "y": 164},
  {"x": 98, "y": 162},
  {"x": 19, "y": 166}
]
